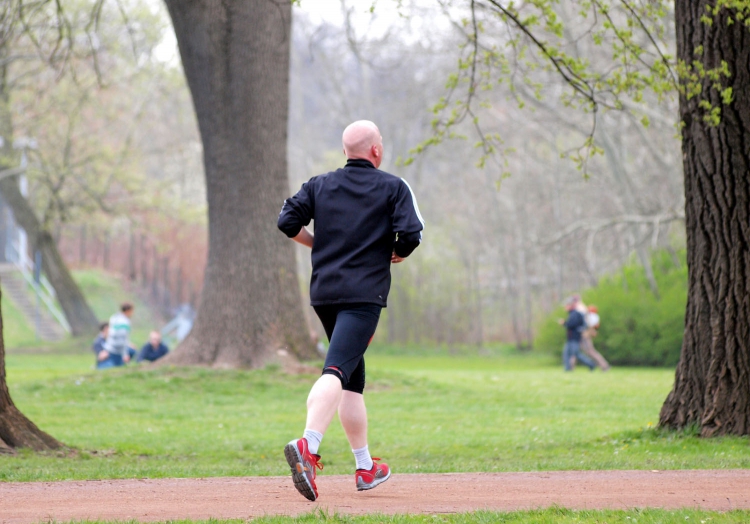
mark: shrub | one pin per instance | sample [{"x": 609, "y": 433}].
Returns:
[{"x": 637, "y": 328}]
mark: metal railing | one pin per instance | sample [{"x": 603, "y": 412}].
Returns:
[{"x": 44, "y": 290}]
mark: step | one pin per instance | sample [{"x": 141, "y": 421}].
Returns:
[{"x": 14, "y": 285}]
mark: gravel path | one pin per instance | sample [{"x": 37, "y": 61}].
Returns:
[{"x": 243, "y": 497}]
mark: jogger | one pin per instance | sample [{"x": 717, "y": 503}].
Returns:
[{"x": 365, "y": 220}]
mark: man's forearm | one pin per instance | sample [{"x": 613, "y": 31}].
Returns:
[{"x": 304, "y": 237}]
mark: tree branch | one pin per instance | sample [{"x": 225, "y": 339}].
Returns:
[{"x": 597, "y": 225}]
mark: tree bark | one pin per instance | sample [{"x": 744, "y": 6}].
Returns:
[
  {"x": 17, "y": 431},
  {"x": 712, "y": 381},
  {"x": 77, "y": 311},
  {"x": 236, "y": 60}
]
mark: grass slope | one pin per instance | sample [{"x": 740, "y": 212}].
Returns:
[
  {"x": 17, "y": 330},
  {"x": 104, "y": 293}
]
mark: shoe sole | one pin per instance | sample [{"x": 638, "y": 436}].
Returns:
[
  {"x": 374, "y": 483},
  {"x": 297, "y": 465}
]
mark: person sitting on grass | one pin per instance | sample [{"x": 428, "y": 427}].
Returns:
[
  {"x": 154, "y": 349},
  {"x": 98, "y": 345},
  {"x": 117, "y": 345}
]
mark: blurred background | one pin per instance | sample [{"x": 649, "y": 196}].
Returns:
[{"x": 107, "y": 138}]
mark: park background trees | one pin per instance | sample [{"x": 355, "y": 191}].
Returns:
[
  {"x": 497, "y": 260},
  {"x": 75, "y": 84},
  {"x": 608, "y": 65},
  {"x": 500, "y": 250}
]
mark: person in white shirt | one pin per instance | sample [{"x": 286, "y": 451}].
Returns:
[
  {"x": 587, "y": 340},
  {"x": 117, "y": 345}
]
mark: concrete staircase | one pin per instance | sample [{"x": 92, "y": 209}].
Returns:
[{"x": 15, "y": 287}]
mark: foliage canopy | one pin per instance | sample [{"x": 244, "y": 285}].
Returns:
[{"x": 594, "y": 56}]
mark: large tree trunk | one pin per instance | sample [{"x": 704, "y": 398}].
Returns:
[
  {"x": 712, "y": 382},
  {"x": 236, "y": 60},
  {"x": 17, "y": 431},
  {"x": 77, "y": 311}
]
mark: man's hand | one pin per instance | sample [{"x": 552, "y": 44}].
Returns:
[
  {"x": 126, "y": 358},
  {"x": 561, "y": 321},
  {"x": 395, "y": 259},
  {"x": 103, "y": 355}
]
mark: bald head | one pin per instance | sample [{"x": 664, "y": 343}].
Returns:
[{"x": 362, "y": 139}]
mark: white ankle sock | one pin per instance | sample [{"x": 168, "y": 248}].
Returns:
[
  {"x": 313, "y": 440},
  {"x": 362, "y": 456}
]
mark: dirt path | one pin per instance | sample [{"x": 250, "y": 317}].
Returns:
[{"x": 162, "y": 499}]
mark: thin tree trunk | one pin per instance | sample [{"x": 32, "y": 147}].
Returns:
[
  {"x": 105, "y": 255},
  {"x": 613, "y": 147},
  {"x": 712, "y": 381},
  {"x": 131, "y": 257},
  {"x": 648, "y": 269},
  {"x": 166, "y": 298},
  {"x": 155, "y": 277},
  {"x": 77, "y": 311},
  {"x": 236, "y": 60},
  {"x": 178, "y": 287},
  {"x": 82, "y": 246},
  {"x": 476, "y": 293},
  {"x": 17, "y": 431},
  {"x": 392, "y": 318},
  {"x": 524, "y": 281}
]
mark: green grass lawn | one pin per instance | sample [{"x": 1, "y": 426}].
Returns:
[{"x": 427, "y": 414}]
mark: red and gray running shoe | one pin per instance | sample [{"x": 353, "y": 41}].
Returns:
[
  {"x": 303, "y": 464},
  {"x": 369, "y": 478}
]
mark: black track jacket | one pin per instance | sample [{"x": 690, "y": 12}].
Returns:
[{"x": 361, "y": 216}]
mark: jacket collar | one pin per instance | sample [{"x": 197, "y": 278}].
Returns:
[{"x": 359, "y": 162}]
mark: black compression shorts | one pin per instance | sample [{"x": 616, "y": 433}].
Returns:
[{"x": 350, "y": 328}]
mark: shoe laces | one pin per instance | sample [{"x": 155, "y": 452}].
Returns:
[{"x": 314, "y": 462}]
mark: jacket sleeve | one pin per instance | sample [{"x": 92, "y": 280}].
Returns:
[
  {"x": 407, "y": 221},
  {"x": 297, "y": 211}
]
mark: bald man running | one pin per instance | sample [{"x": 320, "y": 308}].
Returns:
[{"x": 365, "y": 220}]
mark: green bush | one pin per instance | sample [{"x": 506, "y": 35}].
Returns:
[{"x": 637, "y": 328}]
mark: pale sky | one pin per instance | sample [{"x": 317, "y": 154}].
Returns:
[{"x": 327, "y": 11}]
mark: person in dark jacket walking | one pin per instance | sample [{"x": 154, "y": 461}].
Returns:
[
  {"x": 574, "y": 327},
  {"x": 365, "y": 220}
]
